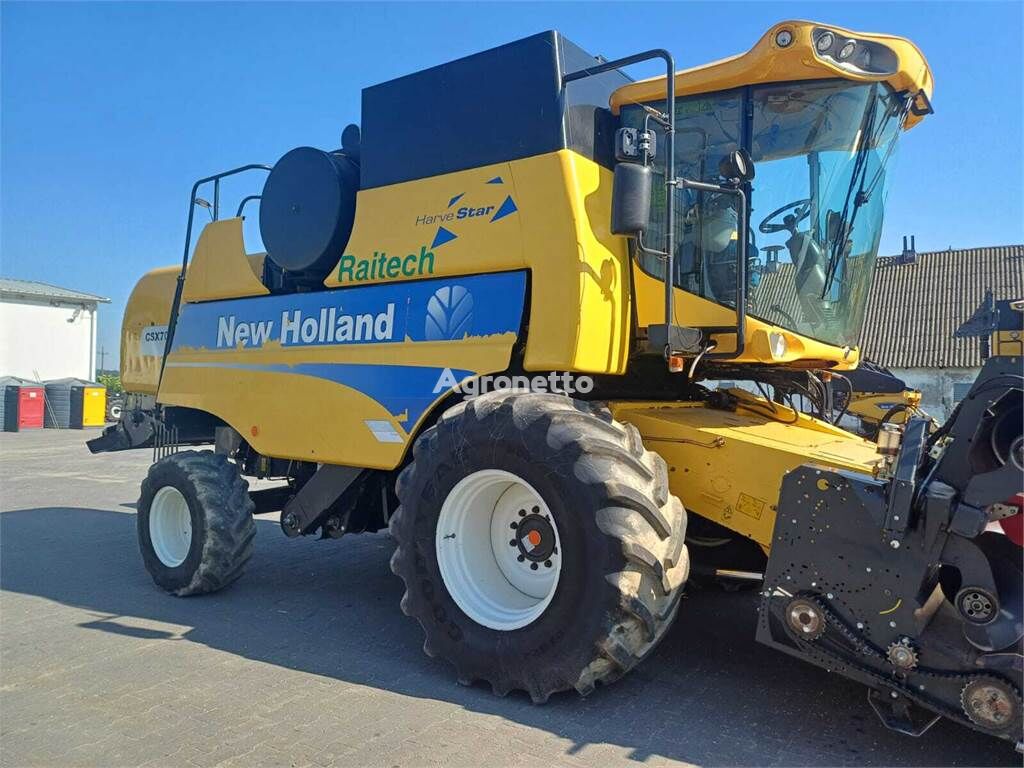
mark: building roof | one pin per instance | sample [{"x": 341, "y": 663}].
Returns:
[
  {"x": 11, "y": 287},
  {"x": 915, "y": 307}
]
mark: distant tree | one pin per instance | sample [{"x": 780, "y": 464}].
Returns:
[{"x": 111, "y": 381}]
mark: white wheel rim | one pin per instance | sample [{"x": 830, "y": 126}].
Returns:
[
  {"x": 498, "y": 549},
  {"x": 170, "y": 526}
]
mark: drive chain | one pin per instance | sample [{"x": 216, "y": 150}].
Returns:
[{"x": 897, "y": 682}]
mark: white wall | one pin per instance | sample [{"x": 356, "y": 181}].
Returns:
[
  {"x": 936, "y": 386},
  {"x": 38, "y": 337}
]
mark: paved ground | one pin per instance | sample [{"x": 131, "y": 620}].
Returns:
[{"x": 309, "y": 661}]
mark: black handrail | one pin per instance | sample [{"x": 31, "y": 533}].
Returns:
[
  {"x": 245, "y": 200},
  {"x": 670, "y": 161},
  {"x": 741, "y": 270},
  {"x": 672, "y": 183},
  {"x": 172, "y": 321}
]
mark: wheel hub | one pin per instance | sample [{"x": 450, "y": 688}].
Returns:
[
  {"x": 170, "y": 526},
  {"x": 535, "y": 538},
  {"x": 498, "y": 549}
]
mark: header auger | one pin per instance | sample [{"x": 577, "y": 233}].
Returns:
[{"x": 616, "y": 230}]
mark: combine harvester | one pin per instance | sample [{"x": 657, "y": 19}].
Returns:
[{"x": 530, "y": 210}]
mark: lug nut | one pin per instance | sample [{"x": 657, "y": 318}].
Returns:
[
  {"x": 512, "y": 542},
  {"x": 547, "y": 563},
  {"x": 522, "y": 513},
  {"x": 533, "y": 566},
  {"x": 521, "y": 558}
]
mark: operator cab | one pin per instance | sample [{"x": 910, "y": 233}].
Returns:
[
  {"x": 822, "y": 138},
  {"x": 820, "y": 149}
]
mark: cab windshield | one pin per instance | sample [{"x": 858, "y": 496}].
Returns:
[{"x": 821, "y": 150}]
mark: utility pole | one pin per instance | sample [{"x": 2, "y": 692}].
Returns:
[{"x": 103, "y": 359}]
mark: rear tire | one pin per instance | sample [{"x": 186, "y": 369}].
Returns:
[
  {"x": 195, "y": 522},
  {"x": 620, "y": 533}
]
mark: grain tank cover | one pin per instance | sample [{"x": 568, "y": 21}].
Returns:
[
  {"x": 308, "y": 205},
  {"x": 498, "y": 105}
]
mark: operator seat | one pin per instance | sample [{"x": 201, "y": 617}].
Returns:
[{"x": 809, "y": 263}]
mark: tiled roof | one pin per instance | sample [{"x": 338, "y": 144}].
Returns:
[
  {"x": 914, "y": 308},
  {"x": 10, "y": 286}
]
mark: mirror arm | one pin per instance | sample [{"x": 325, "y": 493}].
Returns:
[{"x": 644, "y": 249}]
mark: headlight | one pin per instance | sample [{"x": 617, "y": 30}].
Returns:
[
  {"x": 783, "y": 38},
  {"x": 853, "y": 55},
  {"x": 777, "y": 344}
]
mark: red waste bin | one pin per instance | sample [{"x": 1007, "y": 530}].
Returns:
[
  {"x": 30, "y": 407},
  {"x": 22, "y": 404}
]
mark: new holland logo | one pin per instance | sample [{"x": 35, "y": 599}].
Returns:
[
  {"x": 449, "y": 314},
  {"x": 465, "y": 212}
]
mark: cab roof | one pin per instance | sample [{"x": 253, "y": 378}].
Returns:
[{"x": 894, "y": 60}]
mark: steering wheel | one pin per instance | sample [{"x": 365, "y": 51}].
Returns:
[{"x": 801, "y": 210}]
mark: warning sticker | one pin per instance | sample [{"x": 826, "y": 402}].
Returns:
[{"x": 750, "y": 506}]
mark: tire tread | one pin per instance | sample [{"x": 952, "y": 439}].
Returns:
[
  {"x": 223, "y": 495},
  {"x": 639, "y": 514}
]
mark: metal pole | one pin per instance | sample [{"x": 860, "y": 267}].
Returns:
[
  {"x": 741, "y": 266},
  {"x": 670, "y": 187},
  {"x": 741, "y": 273}
]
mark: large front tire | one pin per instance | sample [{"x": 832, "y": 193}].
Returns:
[
  {"x": 613, "y": 532},
  {"x": 195, "y": 522}
]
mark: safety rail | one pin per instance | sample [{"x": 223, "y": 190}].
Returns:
[
  {"x": 245, "y": 200},
  {"x": 672, "y": 183},
  {"x": 669, "y": 125},
  {"x": 172, "y": 321}
]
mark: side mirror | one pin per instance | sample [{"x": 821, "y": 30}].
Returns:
[
  {"x": 737, "y": 166},
  {"x": 833, "y": 225},
  {"x": 631, "y": 198}
]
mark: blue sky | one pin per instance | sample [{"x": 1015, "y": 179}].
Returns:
[{"x": 111, "y": 111}]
